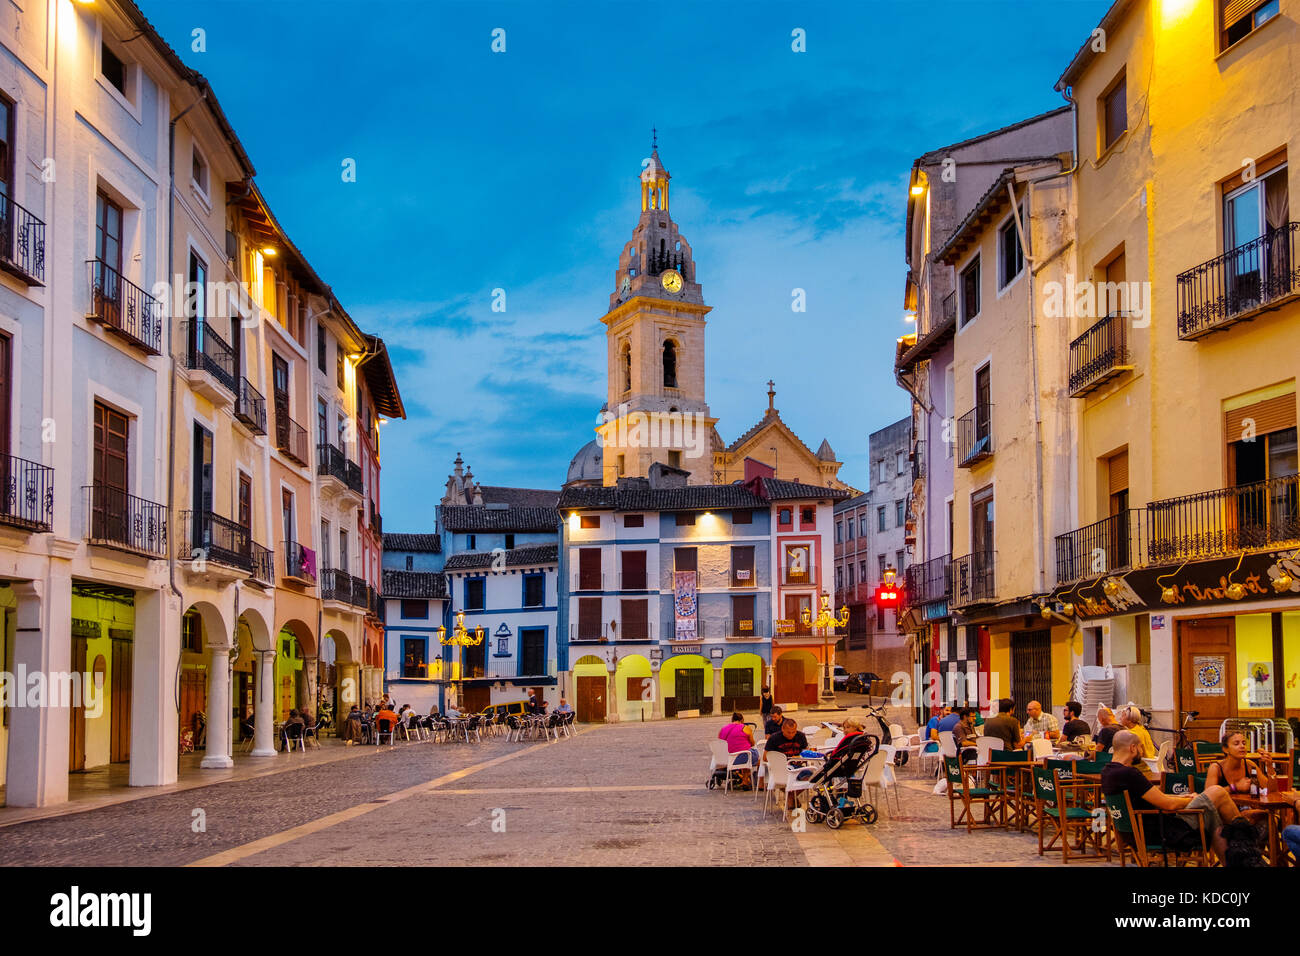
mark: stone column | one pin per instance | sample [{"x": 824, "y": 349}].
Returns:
[
  {"x": 717, "y": 687},
  {"x": 349, "y": 685},
  {"x": 155, "y": 724},
  {"x": 263, "y": 705},
  {"x": 218, "y": 752},
  {"x": 37, "y": 772},
  {"x": 612, "y": 715}
]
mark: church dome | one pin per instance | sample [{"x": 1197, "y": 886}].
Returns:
[{"x": 587, "y": 465}]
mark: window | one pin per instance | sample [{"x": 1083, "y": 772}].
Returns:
[
  {"x": 532, "y": 651},
  {"x": 322, "y": 423},
  {"x": 413, "y": 662},
  {"x": 590, "y": 625},
  {"x": 192, "y": 632},
  {"x": 899, "y": 507},
  {"x": 286, "y": 512},
  {"x": 344, "y": 563},
  {"x": 634, "y": 521},
  {"x": 415, "y": 610},
  {"x": 108, "y": 232},
  {"x": 848, "y": 529},
  {"x": 798, "y": 564},
  {"x": 807, "y": 515},
  {"x": 471, "y": 542},
  {"x": 783, "y": 516},
  {"x": 589, "y": 570},
  {"x": 742, "y": 615},
  {"x": 849, "y": 574},
  {"x": 510, "y": 542},
  {"x": 622, "y": 464},
  {"x": 338, "y": 364},
  {"x": 983, "y": 410},
  {"x": 862, "y": 571},
  {"x": 839, "y": 531},
  {"x": 670, "y": 365},
  {"x": 321, "y": 347},
  {"x": 742, "y": 516},
  {"x": 674, "y": 459},
  {"x": 880, "y": 567},
  {"x": 6, "y": 149},
  {"x": 900, "y": 462},
  {"x": 970, "y": 292},
  {"x": 1114, "y": 112},
  {"x": 684, "y": 559},
  {"x": 862, "y": 526},
  {"x": 898, "y": 561},
  {"x": 534, "y": 590},
  {"x": 198, "y": 170},
  {"x": 1011, "y": 258},
  {"x": 1241, "y": 17},
  {"x": 685, "y": 519},
  {"x": 410, "y": 562},
  {"x": 633, "y": 570},
  {"x": 635, "y": 620},
  {"x": 474, "y": 588},
  {"x": 884, "y": 470},
  {"x": 587, "y": 522},
  {"x": 737, "y": 682},
  {"x": 742, "y": 567},
  {"x": 112, "y": 68},
  {"x": 880, "y": 518}
]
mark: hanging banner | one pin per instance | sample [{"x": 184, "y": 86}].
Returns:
[
  {"x": 684, "y": 605},
  {"x": 1211, "y": 672}
]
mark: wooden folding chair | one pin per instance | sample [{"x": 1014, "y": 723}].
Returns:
[
  {"x": 961, "y": 787},
  {"x": 1145, "y": 850}
]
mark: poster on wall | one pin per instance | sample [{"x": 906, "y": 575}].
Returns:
[
  {"x": 1259, "y": 690},
  {"x": 797, "y": 564},
  {"x": 1211, "y": 672},
  {"x": 684, "y": 604}
]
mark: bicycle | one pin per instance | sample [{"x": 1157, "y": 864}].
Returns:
[{"x": 1181, "y": 740}]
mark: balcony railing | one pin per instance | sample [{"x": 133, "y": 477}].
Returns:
[
  {"x": 633, "y": 581},
  {"x": 928, "y": 582},
  {"x": 333, "y": 463},
  {"x": 589, "y": 632},
  {"x": 742, "y": 628},
  {"x": 918, "y": 460},
  {"x": 743, "y": 578},
  {"x": 972, "y": 578},
  {"x": 1112, "y": 544},
  {"x": 22, "y": 243},
  {"x": 214, "y": 538},
  {"x": 949, "y": 309},
  {"x": 376, "y": 520},
  {"x": 206, "y": 351},
  {"x": 26, "y": 494},
  {"x": 299, "y": 562},
  {"x": 1099, "y": 354},
  {"x": 1243, "y": 280},
  {"x": 975, "y": 435},
  {"x": 589, "y": 581},
  {"x": 1258, "y": 515},
  {"x": 290, "y": 438},
  {"x": 338, "y": 585},
  {"x": 250, "y": 407},
  {"x": 124, "y": 308},
  {"x": 120, "y": 520},
  {"x": 796, "y": 575},
  {"x": 703, "y": 629},
  {"x": 263, "y": 570}
]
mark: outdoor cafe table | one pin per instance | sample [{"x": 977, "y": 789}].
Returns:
[{"x": 1276, "y": 805}]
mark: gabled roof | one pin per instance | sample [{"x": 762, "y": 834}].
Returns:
[
  {"x": 378, "y": 371},
  {"x": 689, "y": 498},
  {"x": 529, "y": 556},
  {"x": 775, "y": 489},
  {"x": 1087, "y": 53},
  {"x": 425, "y": 543},
  {"x": 413, "y": 584},
  {"x": 481, "y": 518},
  {"x": 518, "y": 497}
]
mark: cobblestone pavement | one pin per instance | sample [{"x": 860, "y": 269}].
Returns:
[{"x": 618, "y": 795}]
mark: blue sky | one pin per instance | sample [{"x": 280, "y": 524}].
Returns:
[{"x": 517, "y": 170}]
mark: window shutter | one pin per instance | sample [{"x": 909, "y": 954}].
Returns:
[
  {"x": 1118, "y": 473},
  {"x": 1234, "y": 10},
  {"x": 1270, "y": 415}
]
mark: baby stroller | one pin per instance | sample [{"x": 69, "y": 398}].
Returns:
[{"x": 836, "y": 791}]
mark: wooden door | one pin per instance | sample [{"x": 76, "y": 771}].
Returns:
[
  {"x": 689, "y": 689},
  {"x": 77, "y": 729},
  {"x": 194, "y": 700},
  {"x": 474, "y": 698},
  {"x": 634, "y": 574},
  {"x": 6, "y": 380},
  {"x": 794, "y": 608},
  {"x": 109, "y": 518},
  {"x": 1207, "y": 674},
  {"x": 589, "y": 577},
  {"x": 591, "y": 699},
  {"x": 119, "y": 743},
  {"x": 789, "y": 681},
  {"x": 280, "y": 396}
]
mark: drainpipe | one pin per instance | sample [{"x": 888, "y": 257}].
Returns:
[{"x": 171, "y": 353}]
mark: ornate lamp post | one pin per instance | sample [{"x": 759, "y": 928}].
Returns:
[
  {"x": 827, "y": 620},
  {"x": 460, "y": 636}
]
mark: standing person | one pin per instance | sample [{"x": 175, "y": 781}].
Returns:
[
  {"x": 739, "y": 739},
  {"x": 531, "y": 706},
  {"x": 767, "y": 704}
]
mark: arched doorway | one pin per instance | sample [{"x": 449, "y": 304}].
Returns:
[
  {"x": 590, "y": 677},
  {"x": 686, "y": 682},
  {"x": 202, "y": 626},
  {"x": 634, "y": 682},
  {"x": 294, "y": 679},
  {"x": 797, "y": 674},
  {"x": 742, "y": 677}
]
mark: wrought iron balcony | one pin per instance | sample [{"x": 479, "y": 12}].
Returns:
[
  {"x": 120, "y": 520},
  {"x": 633, "y": 581},
  {"x": 975, "y": 435},
  {"x": 1262, "y": 514},
  {"x": 376, "y": 521},
  {"x": 263, "y": 570},
  {"x": 337, "y": 585},
  {"x": 1099, "y": 354},
  {"x": 973, "y": 578},
  {"x": 299, "y": 562},
  {"x": 791, "y": 574},
  {"x": 928, "y": 581},
  {"x": 206, "y": 351},
  {"x": 589, "y": 581},
  {"x": 918, "y": 459},
  {"x": 210, "y": 537},
  {"x": 124, "y": 309},
  {"x": 27, "y": 499},
  {"x": 743, "y": 628},
  {"x": 22, "y": 243},
  {"x": 949, "y": 309},
  {"x": 290, "y": 438},
  {"x": 333, "y": 463},
  {"x": 250, "y": 407},
  {"x": 1243, "y": 281},
  {"x": 589, "y": 632},
  {"x": 703, "y": 629},
  {"x": 1112, "y": 544}
]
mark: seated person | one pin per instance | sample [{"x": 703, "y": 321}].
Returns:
[
  {"x": 931, "y": 732},
  {"x": 294, "y": 720},
  {"x": 1122, "y": 775},
  {"x": 1235, "y": 773},
  {"x": 564, "y": 707},
  {"x": 1131, "y": 720},
  {"x": 1107, "y": 728},
  {"x": 1291, "y": 837},
  {"x": 740, "y": 739},
  {"x": 774, "y": 720},
  {"x": 1040, "y": 723},
  {"x": 388, "y": 715},
  {"x": 352, "y": 726},
  {"x": 1004, "y": 726},
  {"x": 853, "y": 728},
  {"x": 452, "y": 711},
  {"x": 963, "y": 734},
  {"x": 1074, "y": 726},
  {"x": 789, "y": 740}
]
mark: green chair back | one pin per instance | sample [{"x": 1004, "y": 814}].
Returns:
[
  {"x": 1118, "y": 808},
  {"x": 954, "y": 772},
  {"x": 1065, "y": 768},
  {"x": 1045, "y": 785},
  {"x": 1090, "y": 766},
  {"x": 1204, "y": 748},
  {"x": 1104, "y": 757},
  {"x": 1177, "y": 784},
  {"x": 1185, "y": 760},
  {"x": 1295, "y": 767},
  {"x": 1198, "y": 782},
  {"x": 1009, "y": 756}
]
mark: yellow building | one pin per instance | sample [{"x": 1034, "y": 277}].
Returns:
[{"x": 1184, "y": 564}]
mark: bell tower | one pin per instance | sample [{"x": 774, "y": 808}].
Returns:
[{"x": 654, "y": 333}]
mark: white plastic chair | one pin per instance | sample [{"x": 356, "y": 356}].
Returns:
[
  {"x": 979, "y": 730},
  {"x": 796, "y": 786},
  {"x": 1042, "y": 747},
  {"x": 984, "y": 748},
  {"x": 778, "y": 773},
  {"x": 947, "y": 743},
  {"x": 874, "y": 778},
  {"x": 718, "y": 755}
]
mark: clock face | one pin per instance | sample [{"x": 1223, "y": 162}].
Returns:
[{"x": 672, "y": 281}]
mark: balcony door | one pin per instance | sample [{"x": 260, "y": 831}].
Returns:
[
  {"x": 983, "y": 408},
  {"x": 322, "y": 423},
  {"x": 7, "y": 218},
  {"x": 202, "y": 492},
  {"x": 109, "y": 513},
  {"x": 1258, "y": 260},
  {"x": 6, "y": 406},
  {"x": 245, "y": 516},
  {"x": 290, "y": 528},
  {"x": 280, "y": 393},
  {"x": 981, "y": 542},
  {"x": 108, "y": 250}
]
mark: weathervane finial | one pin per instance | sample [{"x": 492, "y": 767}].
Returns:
[{"x": 654, "y": 138}]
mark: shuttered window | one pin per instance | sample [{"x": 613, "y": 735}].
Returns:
[
  {"x": 1260, "y": 418},
  {"x": 636, "y": 620},
  {"x": 1117, "y": 465}
]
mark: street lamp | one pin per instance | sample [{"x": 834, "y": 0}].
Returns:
[
  {"x": 827, "y": 620},
  {"x": 460, "y": 636}
]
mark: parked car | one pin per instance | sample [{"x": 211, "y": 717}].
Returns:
[
  {"x": 840, "y": 677},
  {"x": 860, "y": 683}
]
